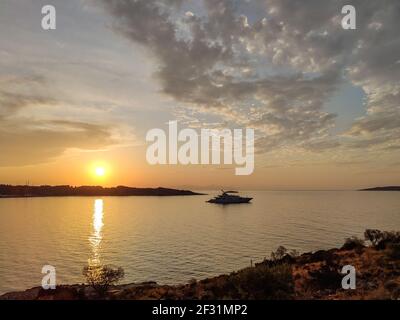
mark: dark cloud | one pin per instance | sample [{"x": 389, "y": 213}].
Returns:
[
  {"x": 386, "y": 121},
  {"x": 219, "y": 62},
  {"x": 368, "y": 56}
]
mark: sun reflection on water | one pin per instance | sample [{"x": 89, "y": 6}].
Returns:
[{"x": 96, "y": 237}]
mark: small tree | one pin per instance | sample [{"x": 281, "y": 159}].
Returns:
[
  {"x": 279, "y": 253},
  {"x": 101, "y": 277},
  {"x": 374, "y": 236},
  {"x": 294, "y": 253}
]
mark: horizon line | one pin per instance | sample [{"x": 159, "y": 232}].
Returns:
[{"x": 198, "y": 188}]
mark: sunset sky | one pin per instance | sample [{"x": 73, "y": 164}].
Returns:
[{"x": 324, "y": 101}]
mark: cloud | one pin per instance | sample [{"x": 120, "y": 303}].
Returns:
[
  {"x": 219, "y": 62},
  {"x": 23, "y": 145},
  {"x": 27, "y": 141},
  {"x": 311, "y": 39},
  {"x": 17, "y": 92}
]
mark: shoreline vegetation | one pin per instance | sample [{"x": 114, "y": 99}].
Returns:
[
  {"x": 27, "y": 191},
  {"x": 287, "y": 275}
]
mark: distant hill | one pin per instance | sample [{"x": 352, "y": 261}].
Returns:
[
  {"x": 10, "y": 191},
  {"x": 389, "y": 188}
]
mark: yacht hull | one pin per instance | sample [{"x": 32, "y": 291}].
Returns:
[{"x": 230, "y": 201}]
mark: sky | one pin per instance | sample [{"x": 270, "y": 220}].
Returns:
[{"x": 324, "y": 102}]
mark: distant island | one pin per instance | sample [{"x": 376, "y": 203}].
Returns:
[
  {"x": 10, "y": 191},
  {"x": 388, "y": 188}
]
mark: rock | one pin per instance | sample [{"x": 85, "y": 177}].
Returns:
[
  {"x": 30, "y": 294},
  {"x": 60, "y": 293},
  {"x": 88, "y": 293}
]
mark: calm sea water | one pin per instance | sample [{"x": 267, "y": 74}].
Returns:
[{"x": 172, "y": 240}]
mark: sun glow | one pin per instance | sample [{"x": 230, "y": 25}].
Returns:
[{"x": 100, "y": 171}]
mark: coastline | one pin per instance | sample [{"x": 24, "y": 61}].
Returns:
[
  {"x": 286, "y": 276},
  {"x": 44, "y": 191},
  {"x": 387, "y": 188}
]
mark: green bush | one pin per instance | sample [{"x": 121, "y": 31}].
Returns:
[
  {"x": 265, "y": 282},
  {"x": 374, "y": 236},
  {"x": 380, "y": 239},
  {"x": 353, "y": 243}
]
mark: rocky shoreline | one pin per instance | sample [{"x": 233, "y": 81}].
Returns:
[{"x": 288, "y": 276}]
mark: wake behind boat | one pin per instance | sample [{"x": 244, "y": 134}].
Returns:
[{"x": 228, "y": 197}]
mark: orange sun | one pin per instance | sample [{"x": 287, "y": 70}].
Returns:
[{"x": 100, "y": 171}]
